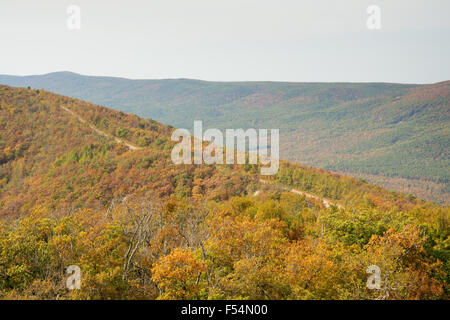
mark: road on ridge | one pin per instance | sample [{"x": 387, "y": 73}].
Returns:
[{"x": 100, "y": 132}]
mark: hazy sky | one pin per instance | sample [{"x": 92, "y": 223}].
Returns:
[{"x": 230, "y": 40}]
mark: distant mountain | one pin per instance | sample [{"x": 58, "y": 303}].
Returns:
[{"x": 395, "y": 135}]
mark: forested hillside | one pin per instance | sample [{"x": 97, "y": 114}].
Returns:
[
  {"x": 84, "y": 185},
  {"x": 393, "y": 135}
]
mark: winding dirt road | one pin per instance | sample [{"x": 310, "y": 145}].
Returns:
[
  {"x": 100, "y": 132},
  {"x": 327, "y": 203}
]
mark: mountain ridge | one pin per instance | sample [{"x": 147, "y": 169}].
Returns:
[
  {"x": 77, "y": 74},
  {"x": 392, "y": 134},
  {"x": 87, "y": 129}
]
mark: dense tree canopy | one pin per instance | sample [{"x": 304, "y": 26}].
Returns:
[{"x": 139, "y": 227}]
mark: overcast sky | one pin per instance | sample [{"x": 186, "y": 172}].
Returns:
[{"x": 230, "y": 40}]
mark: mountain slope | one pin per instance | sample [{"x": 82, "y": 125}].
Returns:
[
  {"x": 64, "y": 152},
  {"x": 49, "y": 157},
  {"x": 83, "y": 185},
  {"x": 391, "y": 134}
]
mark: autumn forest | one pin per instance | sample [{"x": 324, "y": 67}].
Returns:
[{"x": 84, "y": 185}]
